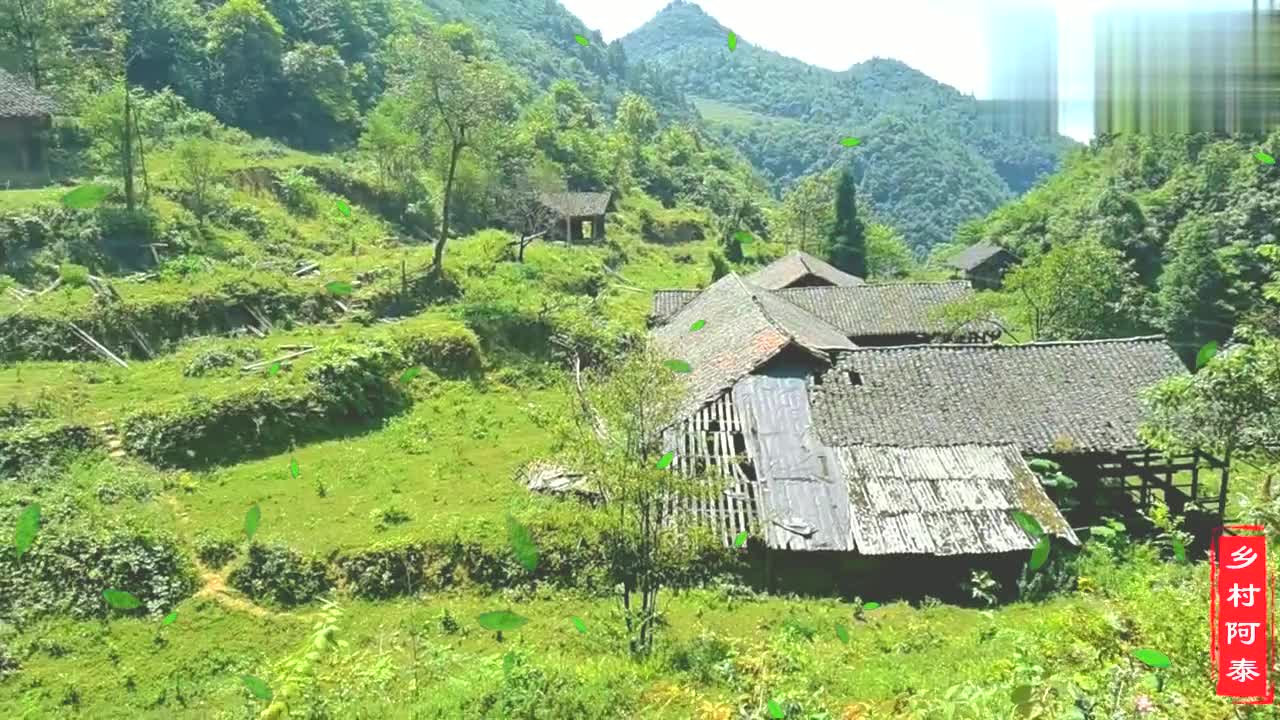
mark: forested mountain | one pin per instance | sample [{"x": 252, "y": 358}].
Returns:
[{"x": 927, "y": 161}]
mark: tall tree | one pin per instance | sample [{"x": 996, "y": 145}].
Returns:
[
  {"x": 849, "y": 240},
  {"x": 246, "y": 44},
  {"x": 1076, "y": 291},
  {"x": 460, "y": 99},
  {"x": 1193, "y": 289},
  {"x": 807, "y": 211}
]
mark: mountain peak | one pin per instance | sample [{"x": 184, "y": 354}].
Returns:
[{"x": 687, "y": 20}]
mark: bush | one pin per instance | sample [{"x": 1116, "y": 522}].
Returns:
[
  {"x": 673, "y": 225},
  {"x": 275, "y": 573},
  {"x": 215, "y": 549},
  {"x": 40, "y": 442},
  {"x": 217, "y": 358},
  {"x": 298, "y": 191},
  {"x": 448, "y": 348}
]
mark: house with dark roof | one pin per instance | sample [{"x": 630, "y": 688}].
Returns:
[
  {"x": 25, "y": 117},
  {"x": 580, "y": 215},
  {"x": 800, "y": 269},
  {"x": 983, "y": 265}
]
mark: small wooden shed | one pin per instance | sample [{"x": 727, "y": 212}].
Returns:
[
  {"x": 25, "y": 116},
  {"x": 984, "y": 265},
  {"x": 580, "y": 215}
]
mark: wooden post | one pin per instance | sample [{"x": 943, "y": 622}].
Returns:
[
  {"x": 1195, "y": 474},
  {"x": 768, "y": 569},
  {"x": 1222, "y": 490}
]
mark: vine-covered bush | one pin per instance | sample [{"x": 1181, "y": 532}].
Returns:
[
  {"x": 40, "y": 441},
  {"x": 448, "y": 348},
  {"x": 215, "y": 549},
  {"x": 216, "y": 358},
  {"x": 275, "y": 573}
]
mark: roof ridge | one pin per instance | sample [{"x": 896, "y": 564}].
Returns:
[
  {"x": 999, "y": 346},
  {"x": 774, "y": 323}
]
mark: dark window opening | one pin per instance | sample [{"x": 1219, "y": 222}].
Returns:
[{"x": 855, "y": 377}]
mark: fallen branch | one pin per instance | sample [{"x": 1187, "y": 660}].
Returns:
[
  {"x": 307, "y": 270},
  {"x": 267, "y": 363},
  {"x": 616, "y": 274},
  {"x": 102, "y": 349},
  {"x": 56, "y": 284}
]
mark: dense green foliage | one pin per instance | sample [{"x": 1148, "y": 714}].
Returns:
[{"x": 927, "y": 162}]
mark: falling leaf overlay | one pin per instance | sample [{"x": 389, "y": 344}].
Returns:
[
  {"x": 86, "y": 196},
  {"x": 501, "y": 621},
  {"x": 251, "y": 520},
  {"x": 170, "y": 618},
  {"x": 871, "y": 606},
  {"x": 1179, "y": 551},
  {"x": 697, "y": 325},
  {"x": 1154, "y": 658},
  {"x": 1206, "y": 354},
  {"x": 577, "y": 622},
  {"x": 733, "y": 42},
  {"x": 582, "y": 40},
  {"x": 851, "y": 142},
  {"x": 740, "y": 539},
  {"x": 275, "y": 368},
  {"x": 1028, "y": 523},
  {"x": 1039, "y": 553},
  {"x": 259, "y": 689},
  {"x": 679, "y": 366},
  {"x": 665, "y": 460},
  {"x": 344, "y": 208},
  {"x": 743, "y": 237},
  {"x": 522, "y": 544},
  {"x": 339, "y": 288},
  {"x": 294, "y": 470},
  {"x": 28, "y": 526},
  {"x": 1264, "y": 158},
  {"x": 775, "y": 710},
  {"x": 120, "y": 600},
  {"x": 409, "y": 374},
  {"x": 842, "y": 632}
]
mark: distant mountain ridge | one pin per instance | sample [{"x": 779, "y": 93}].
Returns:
[{"x": 927, "y": 163}]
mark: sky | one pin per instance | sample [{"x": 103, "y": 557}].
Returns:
[{"x": 948, "y": 40}]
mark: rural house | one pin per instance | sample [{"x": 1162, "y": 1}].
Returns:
[
  {"x": 25, "y": 116},
  {"x": 840, "y": 459},
  {"x": 983, "y": 265},
  {"x": 579, "y": 215},
  {"x": 800, "y": 269}
]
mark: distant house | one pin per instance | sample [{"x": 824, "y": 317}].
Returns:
[
  {"x": 983, "y": 265},
  {"x": 25, "y": 116},
  {"x": 800, "y": 269},
  {"x": 580, "y": 215}
]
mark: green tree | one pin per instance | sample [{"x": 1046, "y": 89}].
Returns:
[
  {"x": 394, "y": 147},
  {"x": 1193, "y": 287},
  {"x": 199, "y": 166},
  {"x": 1078, "y": 290},
  {"x": 807, "y": 211},
  {"x": 849, "y": 240},
  {"x": 887, "y": 253},
  {"x": 246, "y": 45},
  {"x": 322, "y": 111},
  {"x": 462, "y": 101}
]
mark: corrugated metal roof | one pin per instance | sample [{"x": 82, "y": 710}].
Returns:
[
  {"x": 944, "y": 500},
  {"x": 803, "y": 505},
  {"x": 796, "y": 266}
]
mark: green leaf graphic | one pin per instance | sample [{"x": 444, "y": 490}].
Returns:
[
  {"x": 1039, "y": 553},
  {"x": 1206, "y": 354},
  {"x": 339, "y": 288},
  {"x": 581, "y": 40},
  {"x": 86, "y": 196},
  {"x": 871, "y": 606},
  {"x": 577, "y": 622},
  {"x": 1028, "y": 523},
  {"x": 1264, "y": 158},
  {"x": 665, "y": 461},
  {"x": 170, "y": 618},
  {"x": 1041, "y": 465},
  {"x": 257, "y": 687},
  {"x": 733, "y": 42},
  {"x": 274, "y": 369},
  {"x": 743, "y": 237},
  {"x": 120, "y": 599},
  {"x": 344, "y": 208},
  {"x": 501, "y": 621},
  {"x": 697, "y": 325},
  {"x": 842, "y": 632},
  {"x": 251, "y": 520},
  {"x": 776, "y": 711},
  {"x": 679, "y": 366},
  {"x": 1154, "y": 658},
  {"x": 28, "y": 526},
  {"x": 740, "y": 539},
  {"x": 851, "y": 142},
  {"x": 1179, "y": 551},
  {"x": 294, "y": 470},
  {"x": 409, "y": 374},
  {"x": 522, "y": 543}
]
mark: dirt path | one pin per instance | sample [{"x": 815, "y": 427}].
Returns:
[{"x": 213, "y": 585}]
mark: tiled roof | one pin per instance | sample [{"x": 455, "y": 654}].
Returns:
[
  {"x": 1041, "y": 397},
  {"x": 19, "y": 100},
  {"x": 794, "y": 266},
  {"x": 577, "y": 204},
  {"x": 973, "y": 256},
  {"x": 745, "y": 327},
  {"x": 668, "y": 302},
  {"x": 903, "y": 308}
]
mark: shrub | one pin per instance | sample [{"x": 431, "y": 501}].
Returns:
[
  {"x": 215, "y": 549},
  {"x": 216, "y": 358},
  {"x": 673, "y": 225},
  {"x": 448, "y": 348},
  {"x": 275, "y": 573},
  {"x": 73, "y": 275},
  {"x": 41, "y": 442},
  {"x": 298, "y": 191}
]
